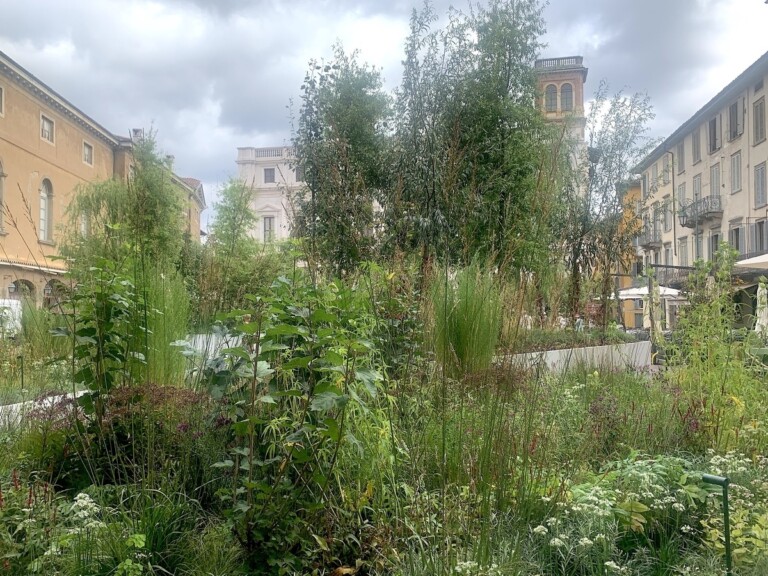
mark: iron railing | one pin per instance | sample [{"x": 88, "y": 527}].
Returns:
[{"x": 701, "y": 210}]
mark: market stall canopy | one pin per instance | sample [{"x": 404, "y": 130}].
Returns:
[
  {"x": 757, "y": 262},
  {"x": 633, "y": 293}
]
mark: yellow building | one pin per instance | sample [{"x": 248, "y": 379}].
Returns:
[
  {"x": 48, "y": 148},
  {"x": 631, "y": 269}
]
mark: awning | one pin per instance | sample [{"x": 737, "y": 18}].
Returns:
[{"x": 43, "y": 269}]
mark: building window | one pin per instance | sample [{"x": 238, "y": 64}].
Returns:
[
  {"x": 566, "y": 97},
  {"x": 758, "y": 117},
  {"x": 46, "y": 129},
  {"x": 736, "y": 172},
  {"x": 681, "y": 157},
  {"x": 714, "y": 180},
  {"x": 696, "y": 187},
  {"x": 696, "y": 145},
  {"x": 644, "y": 185},
  {"x": 682, "y": 251},
  {"x": 735, "y": 238},
  {"x": 550, "y": 98},
  {"x": 760, "y": 196},
  {"x": 87, "y": 153},
  {"x": 681, "y": 194},
  {"x": 269, "y": 175},
  {"x": 736, "y": 119},
  {"x": 714, "y": 244},
  {"x": 757, "y": 237},
  {"x": 715, "y": 133},
  {"x": 654, "y": 177},
  {"x": 46, "y": 211},
  {"x": 698, "y": 246},
  {"x": 667, "y": 215},
  {"x": 665, "y": 169},
  {"x": 668, "y": 254},
  {"x": 269, "y": 228}
]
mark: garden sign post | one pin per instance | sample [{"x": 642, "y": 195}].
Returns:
[{"x": 723, "y": 483}]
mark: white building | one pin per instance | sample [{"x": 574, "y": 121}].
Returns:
[
  {"x": 706, "y": 183},
  {"x": 268, "y": 172}
]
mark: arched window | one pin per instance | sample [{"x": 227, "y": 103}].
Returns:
[
  {"x": 46, "y": 211},
  {"x": 550, "y": 98},
  {"x": 2, "y": 198},
  {"x": 566, "y": 97}
]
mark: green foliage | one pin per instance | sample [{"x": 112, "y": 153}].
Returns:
[
  {"x": 708, "y": 363},
  {"x": 597, "y": 237},
  {"x": 537, "y": 339},
  {"x": 233, "y": 263},
  {"x": 142, "y": 215},
  {"x": 340, "y": 146},
  {"x": 303, "y": 359},
  {"x": 467, "y": 318},
  {"x": 108, "y": 331},
  {"x": 473, "y": 161}
]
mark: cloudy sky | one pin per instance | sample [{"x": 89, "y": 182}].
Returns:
[{"x": 212, "y": 75}]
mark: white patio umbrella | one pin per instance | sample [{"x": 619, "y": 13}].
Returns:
[
  {"x": 757, "y": 262},
  {"x": 642, "y": 292},
  {"x": 761, "y": 312}
]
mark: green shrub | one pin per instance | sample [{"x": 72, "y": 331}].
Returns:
[{"x": 466, "y": 312}]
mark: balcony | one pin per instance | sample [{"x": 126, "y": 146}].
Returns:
[
  {"x": 650, "y": 238},
  {"x": 701, "y": 211}
]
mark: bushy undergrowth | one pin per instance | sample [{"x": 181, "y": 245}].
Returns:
[
  {"x": 330, "y": 439},
  {"x": 537, "y": 339}
]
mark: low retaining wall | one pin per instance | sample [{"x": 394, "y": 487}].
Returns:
[{"x": 633, "y": 355}]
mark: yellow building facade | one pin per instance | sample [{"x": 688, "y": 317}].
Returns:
[{"x": 48, "y": 149}]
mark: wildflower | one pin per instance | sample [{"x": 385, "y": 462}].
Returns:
[
  {"x": 679, "y": 507},
  {"x": 586, "y": 542},
  {"x": 556, "y": 543},
  {"x": 540, "y": 530},
  {"x": 611, "y": 565}
]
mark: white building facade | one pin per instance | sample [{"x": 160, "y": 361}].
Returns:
[
  {"x": 706, "y": 183},
  {"x": 268, "y": 172}
]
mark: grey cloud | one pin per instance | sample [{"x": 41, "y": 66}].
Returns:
[{"x": 656, "y": 47}]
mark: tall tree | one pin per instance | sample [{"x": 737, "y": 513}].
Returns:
[
  {"x": 617, "y": 139},
  {"x": 471, "y": 150},
  {"x": 339, "y": 144}
]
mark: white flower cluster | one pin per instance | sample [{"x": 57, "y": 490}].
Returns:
[
  {"x": 85, "y": 513},
  {"x": 472, "y": 568},
  {"x": 728, "y": 463}
]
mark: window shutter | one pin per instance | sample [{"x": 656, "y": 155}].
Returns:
[
  {"x": 740, "y": 117},
  {"x": 752, "y": 238}
]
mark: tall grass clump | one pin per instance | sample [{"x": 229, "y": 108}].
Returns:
[
  {"x": 467, "y": 319},
  {"x": 168, "y": 304},
  {"x": 36, "y": 326}
]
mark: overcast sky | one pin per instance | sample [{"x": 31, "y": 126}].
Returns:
[{"x": 212, "y": 75}]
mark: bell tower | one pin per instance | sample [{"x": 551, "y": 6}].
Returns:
[{"x": 561, "y": 91}]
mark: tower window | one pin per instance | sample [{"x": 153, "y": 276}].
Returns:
[
  {"x": 550, "y": 98},
  {"x": 566, "y": 97}
]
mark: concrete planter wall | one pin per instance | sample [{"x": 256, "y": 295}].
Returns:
[{"x": 633, "y": 355}]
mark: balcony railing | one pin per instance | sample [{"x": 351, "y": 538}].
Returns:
[
  {"x": 650, "y": 237},
  {"x": 699, "y": 211},
  {"x": 567, "y": 62}
]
